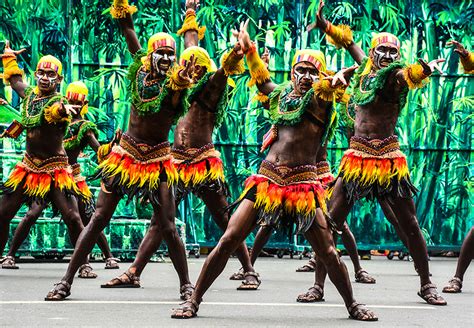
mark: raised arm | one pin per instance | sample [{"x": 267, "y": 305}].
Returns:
[
  {"x": 190, "y": 30},
  {"x": 92, "y": 140},
  {"x": 123, "y": 12},
  {"x": 12, "y": 74},
  {"x": 339, "y": 35},
  {"x": 413, "y": 76},
  {"x": 259, "y": 73},
  {"x": 467, "y": 58}
]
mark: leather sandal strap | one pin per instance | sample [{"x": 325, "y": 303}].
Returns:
[
  {"x": 427, "y": 286},
  {"x": 456, "y": 281},
  {"x": 131, "y": 276},
  {"x": 185, "y": 287},
  {"x": 318, "y": 288}
]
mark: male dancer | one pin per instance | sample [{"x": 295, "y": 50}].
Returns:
[
  {"x": 200, "y": 168},
  {"x": 287, "y": 189},
  {"x": 44, "y": 174},
  {"x": 374, "y": 167},
  {"x": 467, "y": 248},
  {"x": 79, "y": 134},
  {"x": 264, "y": 232},
  {"x": 141, "y": 165}
]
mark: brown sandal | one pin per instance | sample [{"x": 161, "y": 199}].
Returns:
[
  {"x": 112, "y": 263},
  {"x": 310, "y": 266},
  {"x": 314, "y": 294},
  {"x": 359, "y": 312},
  {"x": 432, "y": 297},
  {"x": 186, "y": 291},
  {"x": 453, "y": 286},
  {"x": 85, "y": 272},
  {"x": 125, "y": 280},
  {"x": 250, "y": 284},
  {"x": 239, "y": 275},
  {"x": 189, "y": 307},
  {"x": 8, "y": 262},
  {"x": 364, "y": 277},
  {"x": 60, "y": 291}
]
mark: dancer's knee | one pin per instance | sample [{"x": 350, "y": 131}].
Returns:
[
  {"x": 229, "y": 242},
  {"x": 328, "y": 255}
]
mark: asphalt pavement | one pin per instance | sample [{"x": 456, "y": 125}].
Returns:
[{"x": 393, "y": 298}]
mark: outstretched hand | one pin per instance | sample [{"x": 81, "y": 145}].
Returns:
[
  {"x": 458, "y": 47},
  {"x": 341, "y": 76},
  {"x": 9, "y": 52},
  {"x": 117, "y": 137},
  {"x": 3, "y": 101},
  {"x": 69, "y": 109},
  {"x": 192, "y": 4},
  {"x": 187, "y": 72},
  {"x": 429, "y": 68},
  {"x": 320, "y": 22},
  {"x": 243, "y": 37}
]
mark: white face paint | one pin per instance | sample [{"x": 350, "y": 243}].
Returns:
[
  {"x": 165, "y": 59},
  {"x": 304, "y": 77},
  {"x": 384, "y": 56},
  {"x": 51, "y": 78}
]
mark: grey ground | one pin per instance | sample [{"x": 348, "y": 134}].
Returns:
[{"x": 393, "y": 298}]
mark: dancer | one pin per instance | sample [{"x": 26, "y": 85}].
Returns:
[
  {"x": 287, "y": 189},
  {"x": 44, "y": 173},
  {"x": 374, "y": 167},
  {"x": 80, "y": 134},
  {"x": 264, "y": 232},
  {"x": 141, "y": 165},
  {"x": 200, "y": 168},
  {"x": 467, "y": 248}
]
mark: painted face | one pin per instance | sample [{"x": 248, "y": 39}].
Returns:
[
  {"x": 304, "y": 75},
  {"x": 47, "y": 80},
  {"x": 162, "y": 59},
  {"x": 384, "y": 54}
]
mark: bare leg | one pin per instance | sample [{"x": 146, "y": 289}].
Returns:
[
  {"x": 9, "y": 205},
  {"x": 240, "y": 225},
  {"x": 216, "y": 204},
  {"x": 465, "y": 257},
  {"x": 392, "y": 218},
  {"x": 67, "y": 206},
  {"x": 406, "y": 216},
  {"x": 322, "y": 243},
  {"x": 102, "y": 240},
  {"x": 22, "y": 230},
  {"x": 106, "y": 204},
  {"x": 165, "y": 221},
  {"x": 261, "y": 239}
]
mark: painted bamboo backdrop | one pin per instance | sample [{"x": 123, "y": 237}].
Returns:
[{"x": 435, "y": 128}]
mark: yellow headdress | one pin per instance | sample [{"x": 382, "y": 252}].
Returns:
[
  {"x": 78, "y": 91},
  {"x": 384, "y": 38},
  {"x": 161, "y": 40},
  {"x": 377, "y": 40},
  {"x": 50, "y": 62},
  {"x": 200, "y": 55},
  {"x": 314, "y": 57}
]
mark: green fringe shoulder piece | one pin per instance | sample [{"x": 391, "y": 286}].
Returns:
[
  {"x": 158, "y": 92},
  {"x": 32, "y": 114},
  {"x": 221, "y": 104},
  {"x": 287, "y": 112},
  {"x": 76, "y": 133},
  {"x": 371, "y": 87}
]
